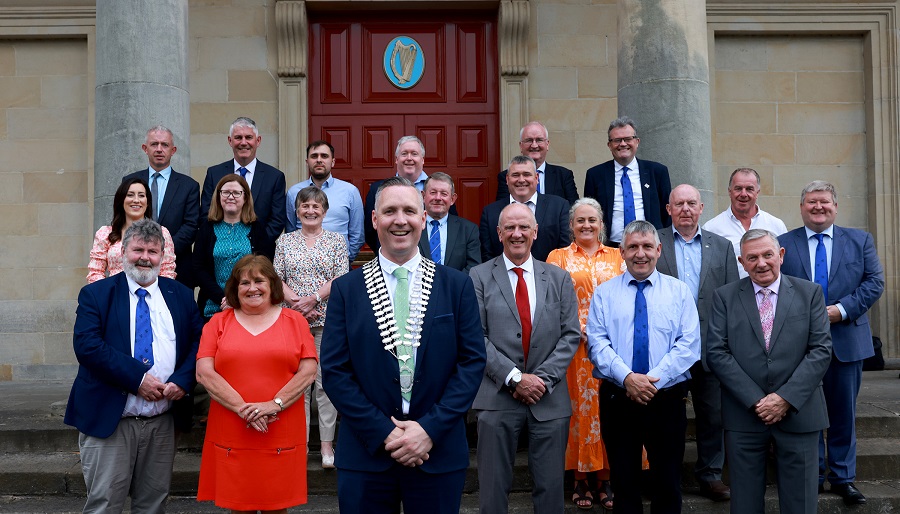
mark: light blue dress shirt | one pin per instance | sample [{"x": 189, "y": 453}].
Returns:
[
  {"x": 161, "y": 183},
  {"x": 688, "y": 257},
  {"x": 674, "y": 329},
  {"x": 442, "y": 229},
  {"x": 345, "y": 211},
  {"x": 828, "y": 241}
]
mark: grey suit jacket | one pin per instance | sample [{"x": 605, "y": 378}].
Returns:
[
  {"x": 463, "y": 250},
  {"x": 554, "y": 336},
  {"x": 799, "y": 353},
  {"x": 717, "y": 268}
]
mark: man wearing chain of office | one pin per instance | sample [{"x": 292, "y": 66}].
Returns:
[{"x": 402, "y": 359}]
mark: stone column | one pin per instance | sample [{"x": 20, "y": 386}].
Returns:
[
  {"x": 142, "y": 81},
  {"x": 663, "y": 80},
  {"x": 515, "y": 16}
]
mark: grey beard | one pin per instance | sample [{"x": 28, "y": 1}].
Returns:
[{"x": 138, "y": 275}]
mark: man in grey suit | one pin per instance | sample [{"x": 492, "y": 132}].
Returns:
[
  {"x": 703, "y": 261},
  {"x": 447, "y": 238},
  {"x": 529, "y": 313},
  {"x": 770, "y": 345}
]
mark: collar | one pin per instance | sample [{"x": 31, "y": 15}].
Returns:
[
  {"x": 442, "y": 222},
  {"x": 534, "y": 199},
  {"x": 774, "y": 286},
  {"x": 828, "y": 232},
  {"x": 542, "y": 168},
  {"x": 527, "y": 265},
  {"x": 388, "y": 266},
  {"x": 653, "y": 278},
  {"x": 697, "y": 236},
  {"x": 165, "y": 173},
  {"x": 325, "y": 185},
  {"x": 251, "y": 167},
  {"x": 422, "y": 177},
  {"x": 735, "y": 218},
  {"x": 633, "y": 165},
  {"x": 134, "y": 286}
]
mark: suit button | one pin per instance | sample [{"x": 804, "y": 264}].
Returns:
[
  {"x": 519, "y": 336},
  {"x": 522, "y": 360},
  {"x": 769, "y": 361}
]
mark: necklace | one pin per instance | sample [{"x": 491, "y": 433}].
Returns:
[
  {"x": 384, "y": 313},
  {"x": 313, "y": 236}
]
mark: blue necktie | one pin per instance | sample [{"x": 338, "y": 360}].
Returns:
[
  {"x": 539, "y": 181},
  {"x": 435, "y": 241},
  {"x": 821, "y": 271},
  {"x": 627, "y": 198},
  {"x": 243, "y": 171},
  {"x": 154, "y": 192},
  {"x": 143, "y": 332},
  {"x": 640, "y": 359}
]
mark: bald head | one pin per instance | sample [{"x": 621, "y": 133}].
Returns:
[
  {"x": 517, "y": 231},
  {"x": 685, "y": 209}
]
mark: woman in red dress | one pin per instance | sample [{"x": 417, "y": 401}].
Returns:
[{"x": 255, "y": 360}]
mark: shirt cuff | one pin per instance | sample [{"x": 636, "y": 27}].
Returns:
[
  {"x": 510, "y": 375},
  {"x": 843, "y": 312}
]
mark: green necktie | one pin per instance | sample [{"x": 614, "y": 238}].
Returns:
[{"x": 405, "y": 355}]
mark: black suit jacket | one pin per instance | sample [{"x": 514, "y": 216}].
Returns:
[
  {"x": 267, "y": 189},
  {"x": 552, "y": 214},
  {"x": 370, "y": 232},
  {"x": 600, "y": 185},
  {"x": 463, "y": 249},
  {"x": 180, "y": 214},
  {"x": 558, "y": 180}
]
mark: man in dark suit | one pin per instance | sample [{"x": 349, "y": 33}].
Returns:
[
  {"x": 846, "y": 265},
  {"x": 402, "y": 356},
  {"x": 769, "y": 344},
  {"x": 529, "y": 313},
  {"x": 266, "y": 182},
  {"x": 615, "y": 184},
  {"x": 136, "y": 336},
  {"x": 551, "y": 212},
  {"x": 176, "y": 198},
  {"x": 534, "y": 142},
  {"x": 409, "y": 161},
  {"x": 705, "y": 262},
  {"x": 447, "y": 239}
]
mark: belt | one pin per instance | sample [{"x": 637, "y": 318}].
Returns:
[{"x": 145, "y": 418}]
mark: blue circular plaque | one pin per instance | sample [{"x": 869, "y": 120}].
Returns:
[{"x": 404, "y": 62}]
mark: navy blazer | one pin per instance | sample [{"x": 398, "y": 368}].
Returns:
[
  {"x": 552, "y": 214},
  {"x": 600, "y": 184},
  {"x": 107, "y": 372},
  {"x": 180, "y": 214},
  {"x": 370, "y": 233},
  {"x": 558, "y": 180},
  {"x": 856, "y": 281},
  {"x": 267, "y": 189},
  {"x": 362, "y": 378},
  {"x": 463, "y": 247}
]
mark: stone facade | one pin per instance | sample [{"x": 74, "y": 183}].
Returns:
[{"x": 799, "y": 90}]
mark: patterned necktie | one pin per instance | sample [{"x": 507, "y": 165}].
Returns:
[
  {"x": 640, "y": 357},
  {"x": 143, "y": 332},
  {"x": 766, "y": 315},
  {"x": 405, "y": 353},
  {"x": 435, "y": 241},
  {"x": 154, "y": 192},
  {"x": 627, "y": 198},
  {"x": 523, "y": 305},
  {"x": 243, "y": 171},
  {"x": 821, "y": 272}
]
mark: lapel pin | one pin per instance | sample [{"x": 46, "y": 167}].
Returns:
[{"x": 647, "y": 186}]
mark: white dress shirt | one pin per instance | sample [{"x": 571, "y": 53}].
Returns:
[
  {"x": 728, "y": 226},
  {"x": 528, "y": 275},
  {"x": 618, "y": 214},
  {"x": 251, "y": 171}
]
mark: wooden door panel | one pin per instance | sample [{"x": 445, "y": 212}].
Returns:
[
  {"x": 472, "y": 63},
  {"x": 431, "y": 87}
]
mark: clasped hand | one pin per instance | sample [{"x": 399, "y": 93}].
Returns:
[
  {"x": 153, "y": 390},
  {"x": 530, "y": 389},
  {"x": 408, "y": 443},
  {"x": 258, "y": 415},
  {"x": 640, "y": 388},
  {"x": 771, "y": 408}
]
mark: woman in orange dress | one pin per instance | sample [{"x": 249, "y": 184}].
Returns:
[
  {"x": 590, "y": 263},
  {"x": 255, "y": 361}
]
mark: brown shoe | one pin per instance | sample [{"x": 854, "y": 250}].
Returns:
[{"x": 715, "y": 490}]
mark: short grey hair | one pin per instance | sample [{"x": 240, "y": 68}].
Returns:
[
  {"x": 640, "y": 227},
  {"x": 590, "y": 202},
  {"x": 758, "y": 233},
  {"x": 243, "y": 121},
  {"x": 407, "y": 139},
  {"x": 147, "y": 231},
  {"x": 621, "y": 121},
  {"x": 391, "y": 182},
  {"x": 522, "y": 159},
  {"x": 747, "y": 171},
  {"x": 160, "y": 128},
  {"x": 544, "y": 127},
  {"x": 440, "y": 176},
  {"x": 817, "y": 186}
]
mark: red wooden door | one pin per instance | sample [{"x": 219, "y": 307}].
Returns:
[{"x": 453, "y": 108}]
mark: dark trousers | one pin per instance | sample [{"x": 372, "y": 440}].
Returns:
[
  {"x": 658, "y": 426},
  {"x": 841, "y": 385},
  {"x": 383, "y": 492},
  {"x": 706, "y": 395}
]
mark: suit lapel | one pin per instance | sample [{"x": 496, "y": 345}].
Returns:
[
  {"x": 837, "y": 252},
  {"x": 801, "y": 248},
  {"x": 452, "y": 234},
  {"x": 501, "y": 276},
  {"x": 705, "y": 259},
  {"x": 167, "y": 198},
  {"x": 748, "y": 300},
  {"x": 646, "y": 179},
  {"x": 540, "y": 210},
  {"x": 168, "y": 294},
  {"x": 258, "y": 179},
  {"x": 667, "y": 257},
  {"x": 541, "y": 288},
  {"x": 785, "y": 299},
  {"x": 122, "y": 311}
]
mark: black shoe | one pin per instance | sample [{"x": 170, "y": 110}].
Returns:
[
  {"x": 715, "y": 490},
  {"x": 849, "y": 493}
]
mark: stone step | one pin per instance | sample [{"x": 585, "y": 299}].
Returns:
[{"x": 882, "y": 497}]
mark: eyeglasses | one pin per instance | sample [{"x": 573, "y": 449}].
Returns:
[
  {"x": 619, "y": 140},
  {"x": 538, "y": 141},
  {"x": 231, "y": 194}
]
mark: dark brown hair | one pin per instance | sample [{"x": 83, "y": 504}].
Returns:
[
  {"x": 253, "y": 265},
  {"x": 118, "y": 221},
  {"x": 216, "y": 213}
]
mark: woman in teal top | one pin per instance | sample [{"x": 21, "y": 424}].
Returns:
[{"x": 230, "y": 232}]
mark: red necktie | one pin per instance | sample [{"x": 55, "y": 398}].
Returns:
[{"x": 524, "y": 308}]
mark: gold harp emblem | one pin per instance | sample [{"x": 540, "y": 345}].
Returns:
[{"x": 407, "y": 55}]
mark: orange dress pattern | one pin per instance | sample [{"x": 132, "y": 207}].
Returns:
[
  {"x": 585, "y": 451},
  {"x": 243, "y": 469}
]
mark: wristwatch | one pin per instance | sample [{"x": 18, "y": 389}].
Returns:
[
  {"x": 515, "y": 379},
  {"x": 279, "y": 403},
  {"x": 318, "y": 298}
]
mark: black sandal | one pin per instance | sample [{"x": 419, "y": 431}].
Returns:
[
  {"x": 580, "y": 497},
  {"x": 606, "y": 489}
]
